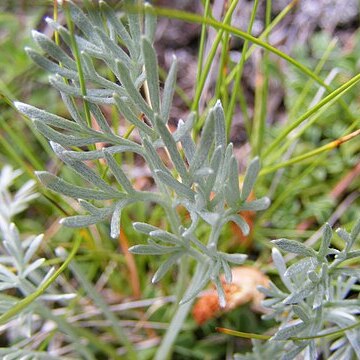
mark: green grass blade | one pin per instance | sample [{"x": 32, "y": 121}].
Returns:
[
  {"x": 333, "y": 96},
  {"x": 330, "y": 146}
]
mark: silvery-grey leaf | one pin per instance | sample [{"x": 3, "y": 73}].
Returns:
[
  {"x": 272, "y": 291},
  {"x": 135, "y": 20},
  {"x": 152, "y": 156},
  {"x": 65, "y": 139},
  {"x": 132, "y": 91},
  {"x": 227, "y": 270},
  {"x": 116, "y": 218},
  {"x": 203, "y": 277},
  {"x": 71, "y": 90},
  {"x": 172, "y": 149},
  {"x": 33, "y": 266},
  {"x": 74, "y": 112},
  {"x": 207, "y": 137},
  {"x": 250, "y": 178},
  {"x": 280, "y": 265},
  {"x": 301, "y": 313},
  {"x": 84, "y": 171},
  {"x": 165, "y": 266},
  {"x": 128, "y": 146},
  {"x": 34, "y": 245},
  {"x": 55, "y": 51},
  {"x": 203, "y": 172},
  {"x": 140, "y": 80},
  {"x": 180, "y": 189},
  {"x": 95, "y": 95},
  {"x": 111, "y": 49},
  {"x": 144, "y": 228},
  {"x": 313, "y": 276},
  {"x": 233, "y": 183},
  {"x": 325, "y": 243},
  {"x": 294, "y": 247},
  {"x": 40, "y": 115},
  {"x": 4, "y": 285},
  {"x": 215, "y": 164},
  {"x": 353, "y": 254},
  {"x": 12, "y": 243},
  {"x": 168, "y": 92},
  {"x": 220, "y": 134},
  {"x": 337, "y": 344},
  {"x": 91, "y": 208},
  {"x": 355, "y": 231},
  {"x": 210, "y": 217},
  {"x": 225, "y": 167},
  {"x": 343, "y": 319},
  {"x": 241, "y": 223},
  {"x": 81, "y": 42},
  {"x": 50, "y": 66},
  {"x": 234, "y": 258},
  {"x": 221, "y": 292},
  {"x": 58, "y": 297},
  {"x": 344, "y": 235},
  {"x": 91, "y": 74},
  {"x": 150, "y": 22},
  {"x": 319, "y": 297},
  {"x": 119, "y": 173},
  {"x": 299, "y": 294},
  {"x": 82, "y": 21},
  {"x": 7, "y": 274},
  {"x": 131, "y": 117},
  {"x": 81, "y": 221},
  {"x": 165, "y": 236},
  {"x": 187, "y": 142},
  {"x": 292, "y": 354},
  {"x": 215, "y": 272},
  {"x": 152, "y": 75},
  {"x": 355, "y": 272},
  {"x": 118, "y": 26},
  {"x": 303, "y": 265},
  {"x": 100, "y": 119},
  {"x": 58, "y": 185},
  {"x": 289, "y": 331},
  {"x": 152, "y": 250},
  {"x": 184, "y": 128}
]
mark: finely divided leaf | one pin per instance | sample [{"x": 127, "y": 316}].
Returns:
[
  {"x": 250, "y": 178},
  {"x": 168, "y": 92},
  {"x": 294, "y": 247},
  {"x": 165, "y": 266},
  {"x": 152, "y": 75}
]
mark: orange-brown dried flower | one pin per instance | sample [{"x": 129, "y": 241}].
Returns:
[{"x": 242, "y": 290}]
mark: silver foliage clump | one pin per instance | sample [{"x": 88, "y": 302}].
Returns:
[
  {"x": 316, "y": 301},
  {"x": 203, "y": 177},
  {"x": 13, "y": 203},
  {"x": 20, "y": 268}
]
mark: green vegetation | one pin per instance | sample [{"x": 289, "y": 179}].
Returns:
[{"x": 138, "y": 217}]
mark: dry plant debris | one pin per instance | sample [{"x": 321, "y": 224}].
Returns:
[{"x": 242, "y": 290}]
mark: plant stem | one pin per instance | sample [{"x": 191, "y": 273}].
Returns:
[
  {"x": 326, "y": 101},
  {"x": 332, "y": 145},
  {"x": 239, "y": 70},
  {"x": 30, "y": 298},
  {"x": 194, "y": 18},
  {"x": 205, "y": 72},
  {"x": 75, "y": 50}
]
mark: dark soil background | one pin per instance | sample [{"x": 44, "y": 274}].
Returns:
[{"x": 337, "y": 18}]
